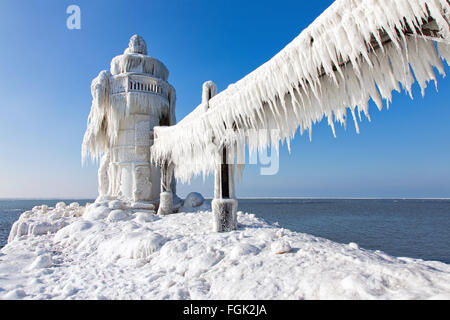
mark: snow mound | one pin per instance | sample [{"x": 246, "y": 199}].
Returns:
[
  {"x": 243, "y": 249},
  {"x": 42, "y": 220},
  {"x": 60, "y": 206},
  {"x": 179, "y": 257},
  {"x": 116, "y": 204},
  {"x": 193, "y": 199},
  {"x": 73, "y": 231},
  {"x": 195, "y": 202},
  {"x": 15, "y": 295},
  {"x": 42, "y": 261},
  {"x": 143, "y": 217},
  {"x": 96, "y": 212},
  {"x": 134, "y": 245},
  {"x": 281, "y": 247},
  {"x": 353, "y": 245},
  {"x": 117, "y": 215}
]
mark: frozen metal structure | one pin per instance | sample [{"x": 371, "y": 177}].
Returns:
[
  {"x": 128, "y": 102},
  {"x": 355, "y": 51}
]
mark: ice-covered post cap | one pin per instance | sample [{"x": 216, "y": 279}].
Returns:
[
  {"x": 209, "y": 90},
  {"x": 137, "y": 45}
]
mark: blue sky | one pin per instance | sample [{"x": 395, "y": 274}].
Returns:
[{"x": 46, "y": 71}]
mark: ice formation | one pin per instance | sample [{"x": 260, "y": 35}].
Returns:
[
  {"x": 139, "y": 255},
  {"x": 193, "y": 200},
  {"x": 128, "y": 101},
  {"x": 355, "y": 51}
]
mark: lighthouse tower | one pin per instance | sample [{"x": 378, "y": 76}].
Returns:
[{"x": 128, "y": 102}]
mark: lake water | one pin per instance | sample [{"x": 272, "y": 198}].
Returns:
[{"x": 403, "y": 228}]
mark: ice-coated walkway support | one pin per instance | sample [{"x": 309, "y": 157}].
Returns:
[
  {"x": 166, "y": 196},
  {"x": 224, "y": 204}
]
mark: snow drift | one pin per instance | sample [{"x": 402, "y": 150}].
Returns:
[{"x": 357, "y": 50}]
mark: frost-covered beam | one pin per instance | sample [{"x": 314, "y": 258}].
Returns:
[
  {"x": 356, "y": 51},
  {"x": 428, "y": 30}
]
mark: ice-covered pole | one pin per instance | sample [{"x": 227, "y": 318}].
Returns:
[
  {"x": 224, "y": 205},
  {"x": 166, "y": 196}
]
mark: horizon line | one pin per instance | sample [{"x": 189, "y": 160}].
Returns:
[{"x": 250, "y": 198}]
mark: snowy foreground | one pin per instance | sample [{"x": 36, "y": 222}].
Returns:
[{"x": 110, "y": 252}]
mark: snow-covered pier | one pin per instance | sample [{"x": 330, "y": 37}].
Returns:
[{"x": 106, "y": 251}]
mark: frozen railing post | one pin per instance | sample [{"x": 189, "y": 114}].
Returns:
[
  {"x": 166, "y": 196},
  {"x": 224, "y": 204}
]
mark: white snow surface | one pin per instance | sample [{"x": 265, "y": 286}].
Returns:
[
  {"x": 357, "y": 50},
  {"x": 179, "y": 257}
]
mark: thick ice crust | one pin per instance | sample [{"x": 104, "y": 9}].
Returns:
[{"x": 225, "y": 214}]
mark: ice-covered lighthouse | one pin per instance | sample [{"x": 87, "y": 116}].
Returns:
[{"x": 127, "y": 103}]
